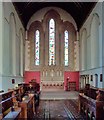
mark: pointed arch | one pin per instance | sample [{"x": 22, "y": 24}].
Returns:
[
  {"x": 95, "y": 41},
  {"x": 13, "y": 43},
  {"x": 71, "y": 38},
  {"x": 36, "y": 25},
  {"x": 84, "y": 49},
  {"x": 51, "y": 14}
]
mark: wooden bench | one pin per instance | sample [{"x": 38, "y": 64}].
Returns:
[
  {"x": 91, "y": 104},
  {"x": 27, "y": 107},
  {"x": 30, "y": 87},
  {"x": 13, "y": 115},
  {"x": 6, "y": 104}
]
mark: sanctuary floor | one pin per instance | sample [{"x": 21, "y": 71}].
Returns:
[{"x": 58, "y": 95}]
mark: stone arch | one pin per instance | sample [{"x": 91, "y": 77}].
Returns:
[
  {"x": 54, "y": 15},
  {"x": 95, "y": 41},
  {"x": 84, "y": 49},
  {"x": 33, "y": 27},
  {"x": 12, "y": 22},
  {"x": 72, "y": 37}
]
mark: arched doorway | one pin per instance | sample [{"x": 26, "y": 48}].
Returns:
[{"x": 96, "y": 80}]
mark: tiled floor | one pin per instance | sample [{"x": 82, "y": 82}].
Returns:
[
  {"x": 58, "y": 110},
  {"x": 58, "y": 105}
]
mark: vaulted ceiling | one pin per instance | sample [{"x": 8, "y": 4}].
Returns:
[{"x": 78, "y": 10}]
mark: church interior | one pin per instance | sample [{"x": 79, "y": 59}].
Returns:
[{"x": 51, "y": 65}]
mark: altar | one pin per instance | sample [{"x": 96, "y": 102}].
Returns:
[{"x": 52, "y": 76}]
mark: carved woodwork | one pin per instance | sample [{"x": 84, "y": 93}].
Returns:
[{"x": 91, "y": 103}]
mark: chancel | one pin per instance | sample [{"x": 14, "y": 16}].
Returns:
[{"x": 52, "y": 60}]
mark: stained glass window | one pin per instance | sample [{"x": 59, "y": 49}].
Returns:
[
  {"x": 51, "y": 42},
  {"x": 37, "y": 40},
  {"x": 66, "y": 48}
]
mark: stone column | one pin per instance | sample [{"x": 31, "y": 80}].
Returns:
[
  {"x": 27, "y": 53},
  {"x": 76, "y": 53}
]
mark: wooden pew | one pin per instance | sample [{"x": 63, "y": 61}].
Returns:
[
  {"x": 92, "y": 104},
  {"x": 90, "y": 91},
  {"x": 6, "y": 106},
  {"x": 25, "y": 101},
  {"x": 91, "y": 108},
  {"x": 30, "y": 87},
  {"x": 27, "y": 107},
  {"x": 6, "y": 101}
]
